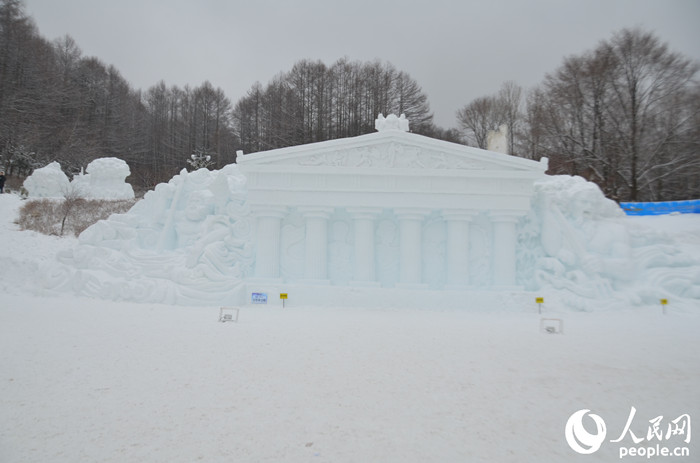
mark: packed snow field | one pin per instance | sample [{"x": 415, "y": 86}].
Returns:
[{"x": 92, "y": 380}]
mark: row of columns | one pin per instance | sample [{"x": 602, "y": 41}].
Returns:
[{"x": 269, "y": 221}]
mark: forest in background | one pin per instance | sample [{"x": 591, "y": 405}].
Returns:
[{"x": 625, "y": 114}]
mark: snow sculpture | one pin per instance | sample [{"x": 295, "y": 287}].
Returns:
[
  {"x": 585, "y": 251},
  {"x": 388, "y": 218},
  {"x": 105, "y": 179},
  {"x": 187, "y": 242},
  {"x": 497, "y": 140},
  {"x": 391, "y": 122},
  {"x": 389, "y": 210},
  {"x": 48, "y": 182},
  {"x": 581, "y": 246}
]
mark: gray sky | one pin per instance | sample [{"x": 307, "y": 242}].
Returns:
[{"x": 457, "y": 50}]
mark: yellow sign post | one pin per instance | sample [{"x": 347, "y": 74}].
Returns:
[
  {"x": 540, "y": 301},
  {"x": 283, "y": 296},
  {"x": 664, "y": 303}
]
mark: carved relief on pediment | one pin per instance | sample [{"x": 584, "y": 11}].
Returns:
[{"x": 390, "y": 155}]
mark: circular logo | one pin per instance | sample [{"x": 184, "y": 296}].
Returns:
[{"x": 580, "y": 440}]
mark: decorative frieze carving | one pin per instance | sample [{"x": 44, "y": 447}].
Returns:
[{"x": 390, "y": 155}]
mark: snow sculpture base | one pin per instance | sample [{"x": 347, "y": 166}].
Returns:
[
  {"x": 302, "y": 295},
  {"x": 364, "y": 284}
]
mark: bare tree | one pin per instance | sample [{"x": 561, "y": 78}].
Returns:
[
  {"x": 480, "y": 117},
  {"x": 487, "y": 114},
  {"x": 313, "y": 102},
  {"x": 648, "y": 77},
  {"x": 510, "y": 99},
  {"x": 623, "y": 115}
]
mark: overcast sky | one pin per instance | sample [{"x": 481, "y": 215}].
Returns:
[{"x": 457, "y": 50}]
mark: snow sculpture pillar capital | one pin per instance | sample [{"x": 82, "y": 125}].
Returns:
[
  {"x": 411, "y": 213},
  {"x": 321, "y": 212},
  {"x": 391, "y": 122},
  {"x": 270, "y": 211},
  {"x": 459, "y": 215}
]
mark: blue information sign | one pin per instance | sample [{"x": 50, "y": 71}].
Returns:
[{"x": 259, "y": 298}]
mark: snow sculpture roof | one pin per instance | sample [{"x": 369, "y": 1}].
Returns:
[{"x": 384, "y": 168}]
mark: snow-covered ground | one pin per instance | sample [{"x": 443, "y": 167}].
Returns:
[{"x": 91, "y": 380}]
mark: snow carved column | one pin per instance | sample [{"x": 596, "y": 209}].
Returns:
[
  {"x": 504, "y": 241},
  {"x": 267, "y": 253},
  {"x": 364, "y": 263},
  {"x": 316, "y": 244},
  {"x": 458, "y": 247},
  {"x": 411, "y": 246}
]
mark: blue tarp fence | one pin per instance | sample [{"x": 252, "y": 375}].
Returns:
[{"x": 667, "y": 207}]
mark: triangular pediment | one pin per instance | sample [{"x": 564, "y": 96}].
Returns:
[{"x": 391, "y": 150}]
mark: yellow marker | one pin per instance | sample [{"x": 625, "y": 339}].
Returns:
[
  {"x": 540, "y": 301},
  {"x": 283, "y": 295},
  {"x": 664, "y": 301}
]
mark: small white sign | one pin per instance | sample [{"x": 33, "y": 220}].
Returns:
[
  {"x": 259, "y": 298},
  {"x": 228, "y": 314},
  {"x": 552, "y": 325}
]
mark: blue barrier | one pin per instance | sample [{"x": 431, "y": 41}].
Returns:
[{"x": 660, "y": 208}]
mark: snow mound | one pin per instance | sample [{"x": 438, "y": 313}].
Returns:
[
  {"x": 105, "y": 179},
  {"x": 47, "y": 182}
]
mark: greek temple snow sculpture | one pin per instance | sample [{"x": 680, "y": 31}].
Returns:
[{"x": 389, "y": 209}]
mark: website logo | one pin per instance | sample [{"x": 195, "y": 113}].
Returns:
[
  {"x": 580, "y": 440},
  {"x": 658, "y": 441}
]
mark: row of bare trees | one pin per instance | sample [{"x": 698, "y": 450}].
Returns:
[
  {"x": 185, "y": 121},
  {"x": 314, "y": 102},
  {"x": 57, "y": 105},
  {"x": 625, "y": 115}
]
